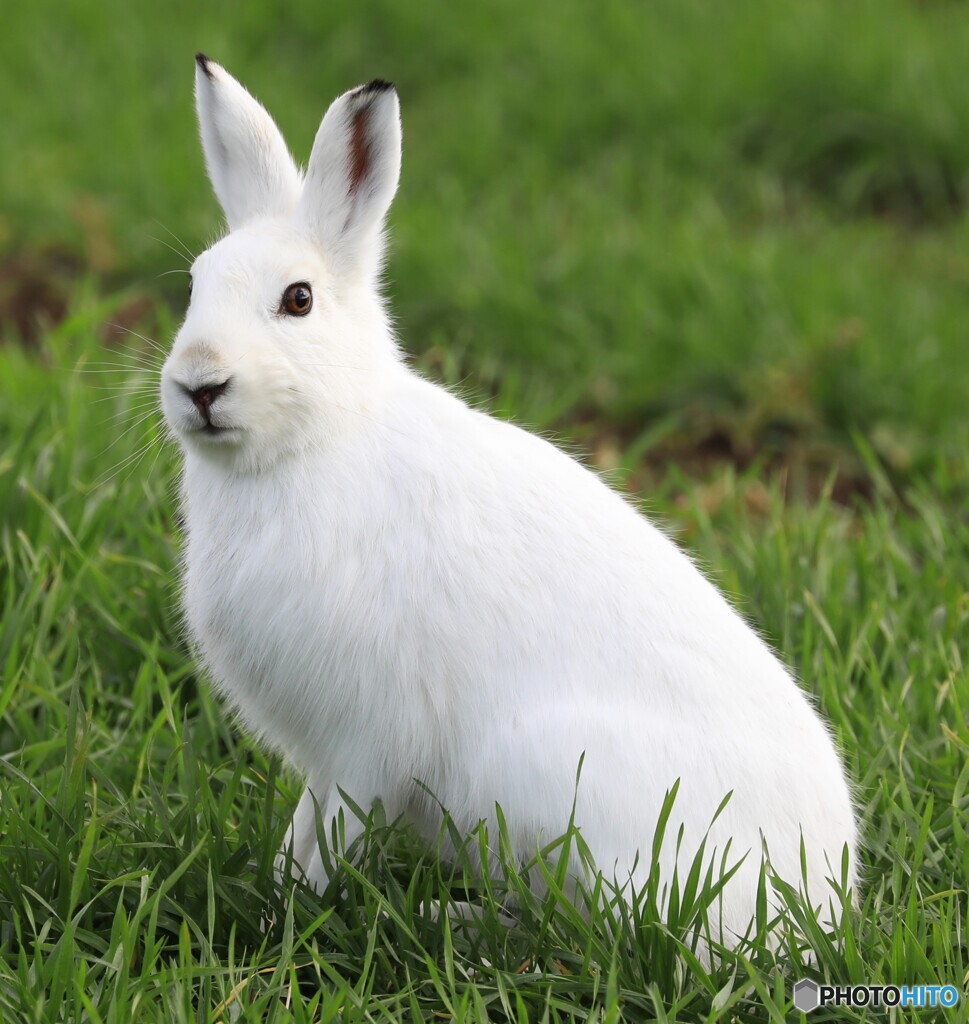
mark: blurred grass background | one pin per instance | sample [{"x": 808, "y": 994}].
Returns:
[{"x": 676, "y": 229}]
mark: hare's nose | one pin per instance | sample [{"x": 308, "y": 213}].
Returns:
[{"x": 203, "y": 397}]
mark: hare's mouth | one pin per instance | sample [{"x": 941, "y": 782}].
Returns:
[{"x": 218, "y": 434}]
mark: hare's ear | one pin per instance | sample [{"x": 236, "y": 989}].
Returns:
[
  {"x": 352, "y": 177},
  {"x": 248, "y": 163}
]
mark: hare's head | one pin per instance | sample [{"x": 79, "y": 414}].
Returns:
[{"x": 285, "y": 342}]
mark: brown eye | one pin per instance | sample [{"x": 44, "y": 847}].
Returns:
[{"x": 297, "y": 300}]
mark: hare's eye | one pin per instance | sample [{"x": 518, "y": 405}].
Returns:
[
  {"x": 190, "y": 283},
  {"x": 297, "y": 300}
]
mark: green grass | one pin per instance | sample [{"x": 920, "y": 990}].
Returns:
[
  {"x": 138, "y": 829},
  {"x": 721, "y": 248}
]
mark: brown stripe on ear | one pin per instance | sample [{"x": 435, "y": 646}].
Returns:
[{"x": 359, "y": 149}]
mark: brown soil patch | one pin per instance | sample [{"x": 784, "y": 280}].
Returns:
[{"x": 34, "y": 290}]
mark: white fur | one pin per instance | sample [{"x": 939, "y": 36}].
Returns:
[
  {"x": 237, "y": 131},
  {"x": 396, "y": 590}
]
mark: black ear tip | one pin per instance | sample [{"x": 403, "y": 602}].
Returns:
[
  {"x": 379, "y": 85},
  {"x": 203, "y": 62}
]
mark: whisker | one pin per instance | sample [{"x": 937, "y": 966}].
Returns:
[
  {"x": 151, "y": 406},
  {"x": 155, "y": 371},
  {"x": 152, "y": 394},
  {"x": 125, "y": 387},
  {"x": 158, "y": 451},
  {"x": 141, "y": 419},
  {"x": 125, "y": 358},
  {"x": 168, "y": 245},
  {"x": 143, "y": 402},
  {"x": 148, "y": 341},
  {"x": 132, "y": 361},
  {"x": 140, "y": 377},
  {"x": 130, "y": 348},
  {"x": 185, "y": 249},
  {"x": 136, "y": 398},
  {"x": 134, "y": 458}
]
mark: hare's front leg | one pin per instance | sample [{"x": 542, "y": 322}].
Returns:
[{"x": 302, "y": 836}]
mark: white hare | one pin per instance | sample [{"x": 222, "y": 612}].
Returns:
[{"x": 400, "y": 592}]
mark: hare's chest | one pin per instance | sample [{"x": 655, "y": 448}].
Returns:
[{"x": 263, "y": 607}]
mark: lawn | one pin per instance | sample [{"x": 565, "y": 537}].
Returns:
[{"x": 721, "y": 251}]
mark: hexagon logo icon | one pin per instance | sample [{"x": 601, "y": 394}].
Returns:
[{"x": 806, "y": 996}]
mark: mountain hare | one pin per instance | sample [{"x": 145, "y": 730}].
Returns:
[{"x": 405, "y": 595}]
